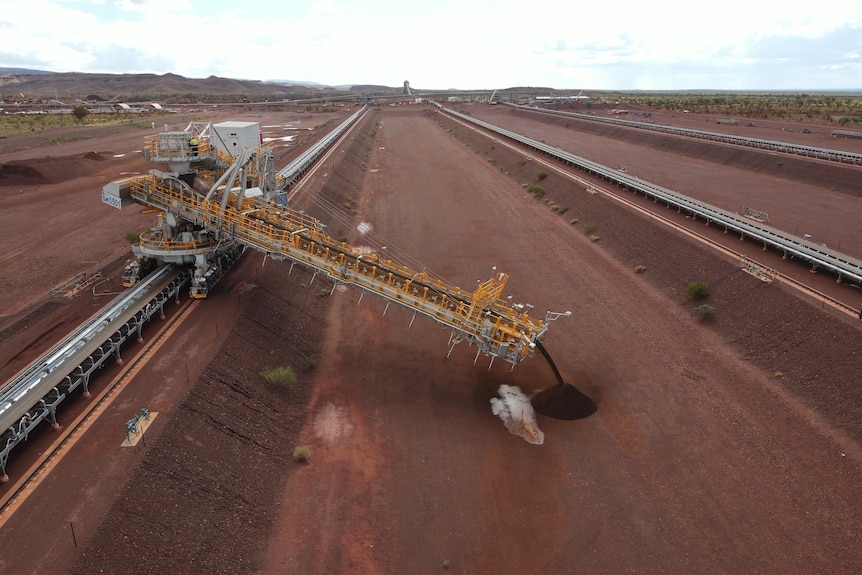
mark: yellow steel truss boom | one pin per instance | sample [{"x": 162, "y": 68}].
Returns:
[{"x": 501, "y": 331}]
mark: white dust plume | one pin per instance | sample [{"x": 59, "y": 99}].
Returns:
[{"x": 514, "y": 408}]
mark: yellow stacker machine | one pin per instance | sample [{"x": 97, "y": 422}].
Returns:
[{"x": 221, "y": 194}]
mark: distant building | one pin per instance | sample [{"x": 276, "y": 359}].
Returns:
[
  {"x": 560, "y": 100},
  {"x": 544, "y": 100},
  {"x": 574, "y": 99}
]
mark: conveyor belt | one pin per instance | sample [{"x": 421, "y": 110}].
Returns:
[
  {"x": 33, "y": 395},
  {"x": 820, "y": 257},
  {"x": 481, "y": 317},
  {"x": 839, "y": 156},
  {"x": 291, "y": 174}
]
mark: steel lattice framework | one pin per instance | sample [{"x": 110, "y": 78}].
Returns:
[{"x": 498, "y": 329}]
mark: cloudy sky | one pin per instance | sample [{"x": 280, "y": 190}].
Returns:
[{"x": 441, "y": 44}]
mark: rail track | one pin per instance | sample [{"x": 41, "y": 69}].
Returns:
[
  {"x": 827, "y": 154},
  {"x": 18, "y": 491},
  {"x": 620, "y": 196},
  {"x": 34, "y": 396},
  {"x": 819, "y": 256}
]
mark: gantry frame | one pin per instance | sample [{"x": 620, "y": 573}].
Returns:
[{"x": 481, "y": 317}]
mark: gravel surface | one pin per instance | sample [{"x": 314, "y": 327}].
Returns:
[{"x": 728, "y": 446}]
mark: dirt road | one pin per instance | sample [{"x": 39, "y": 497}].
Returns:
[{"x": 695, "y": 461}]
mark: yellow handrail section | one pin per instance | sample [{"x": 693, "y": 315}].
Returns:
[
  {"x": 155, "y": 242},
  {"x": 176, "y": 146},
  {"x": 481, "y": 317}
]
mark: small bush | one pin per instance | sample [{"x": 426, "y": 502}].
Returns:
[
  {"x": 573, "y": 221},
  {"x": 698, "y": 290},
  {"x": 640, "y": 269},
  {"x": 704, "y": 312},
  {"x": 310, "y": 362},
  {"x": 80, "y": 112},
  {"x": 133, "y": 237},
  {"x": 542, "y": 175},
  {"x": 590, "y": 227},
  {"x": 281, "y": 376},
  {"x": 302, "y": 454},
  {"x": 595, "y": 238},
  {"x": 537, "y": 191}
]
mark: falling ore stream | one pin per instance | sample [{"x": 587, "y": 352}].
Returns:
[{"x": 564, "y": 400}]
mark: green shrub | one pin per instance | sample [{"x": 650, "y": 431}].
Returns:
[
  {"x": 80, "y": 112},
  {"x": 698, "y": 290},
  {"x": 537, "y": 191},
  {"x": 302, "y": 454},
  {"x": 542, "y": 175},
  {"x": 310, "y": 362},
  {"x": 280, "y": 376},
  {"x": 704, "y": 312},
  {"x": 590, "y": 227},
  {"x": 133, "y": 237}
]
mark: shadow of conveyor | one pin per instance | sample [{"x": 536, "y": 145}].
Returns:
[{"x": 564, "y": 400}]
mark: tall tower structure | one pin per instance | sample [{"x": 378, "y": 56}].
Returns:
[{"x": 406, "y": 89}]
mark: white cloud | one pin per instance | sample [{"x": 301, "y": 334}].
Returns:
[{"x": 623, "y": 45}]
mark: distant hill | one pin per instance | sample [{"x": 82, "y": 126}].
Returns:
[
  {"x": 31, "y": 84},
  {"x": 22, "y": 85},
  {"x": 299, "y": 83},
  {"x": 22, "y": 71}
]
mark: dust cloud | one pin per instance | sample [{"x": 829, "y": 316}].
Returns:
[{"x": 514, "y": 408}]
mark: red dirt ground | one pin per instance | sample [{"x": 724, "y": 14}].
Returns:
[{"x": 700, "y": 458}]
